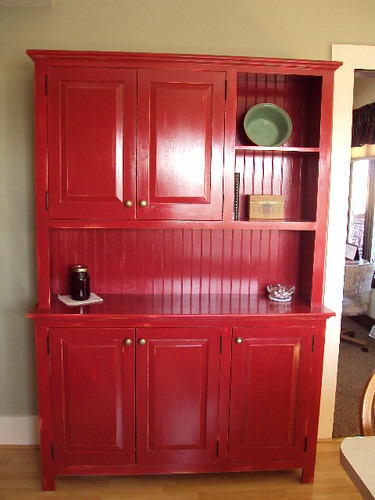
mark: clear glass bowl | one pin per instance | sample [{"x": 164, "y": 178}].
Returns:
[{"x": 280, "y": 293}]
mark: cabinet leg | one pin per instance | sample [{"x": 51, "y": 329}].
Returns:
[
  {"x": 308, "y": 474},
  {"x": 48, "y": 482}
]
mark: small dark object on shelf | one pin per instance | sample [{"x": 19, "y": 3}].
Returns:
[
  {"x": 237, "y": 179},
  {"x": 79, "y": 283}
]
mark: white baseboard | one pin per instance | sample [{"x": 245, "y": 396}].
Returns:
[{"x": 19, "y": 430}]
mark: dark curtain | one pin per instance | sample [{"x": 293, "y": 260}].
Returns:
[{"x": 363, "y": 129}]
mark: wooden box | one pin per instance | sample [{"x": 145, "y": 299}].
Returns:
[{"x": 266, "y": 206}]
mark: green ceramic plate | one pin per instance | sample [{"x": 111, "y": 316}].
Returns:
[{"x": 267, "y": 124}]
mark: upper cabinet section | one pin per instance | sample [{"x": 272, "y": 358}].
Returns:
[
  {"x": 180, "y": 144},
  {"x": 91, "y": 142},
  {"x": 102, "y": 165},
  {"x": 154, "y": 140}
]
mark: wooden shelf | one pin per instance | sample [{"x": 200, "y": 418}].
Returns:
[
  {"x": 141, "y": 307},
  {"x": 279, "y": 150},
  {"x": 275, "y": 225},
  {"x": 246, "y": 224}
]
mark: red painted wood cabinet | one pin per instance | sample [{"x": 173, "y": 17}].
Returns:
[
  {"x": 91, "y": 141},
  {"x": 270, "y": 376},
  {"x": 98, "y": 168},
  {"x": 180, "y": 144},
  {"x": 92, "y": 395},
  {"x": 186, "y": 366},
  {"x": 95, "y": 375}
]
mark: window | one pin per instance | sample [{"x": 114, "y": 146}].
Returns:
[{"x": 361, "y": 208}]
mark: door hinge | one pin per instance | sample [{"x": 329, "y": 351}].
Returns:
[
  {"x": 313, "y": 343},
  {"x": 217, "y": 448},
  {"x": 45, "y": 85},
  {"x": 305, "y": 444},
  {"x": 47, "y": 200},
  {"x": 48, "y": 345},
  {"x": 52, "y": 452}
]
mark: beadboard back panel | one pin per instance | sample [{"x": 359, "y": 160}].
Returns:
[{"x": 178, "y": 261}]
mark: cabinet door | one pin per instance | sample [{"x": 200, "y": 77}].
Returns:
[
  {"x": 92, "y": 385},
  {"x": 269, "y": 393},
  {"x": 91, "y": 142},
  {"x": 177, "y": 395},
  {"x": 180, "y": 144}
]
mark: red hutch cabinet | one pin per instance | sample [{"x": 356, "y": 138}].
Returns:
[{"x": 186, "y": 366}]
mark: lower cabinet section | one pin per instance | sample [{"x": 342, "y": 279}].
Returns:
[
  {"x": 121, "y": 395},
  {"x": 169, "y": 399},
  {"x": 269, "y": 387},
  {"x": 177, "y": 386},
  {"x": 92, "y": 395}
]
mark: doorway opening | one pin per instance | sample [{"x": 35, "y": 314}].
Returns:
[{"x": 356, "y": 361}]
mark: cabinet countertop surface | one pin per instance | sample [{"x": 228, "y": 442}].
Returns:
[{"x": 138, "y": 306}]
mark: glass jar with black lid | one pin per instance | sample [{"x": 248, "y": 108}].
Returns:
[{"x": 79, "y": 282}]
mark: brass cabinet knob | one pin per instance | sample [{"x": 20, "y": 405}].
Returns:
[
  {"x": 143, "y": 203},
  {"x": 141, "y": 341},
  {"x": 239, "y": 340},
  {"x": 128, "y": 341},
  {"x": 129, "y": 203}
]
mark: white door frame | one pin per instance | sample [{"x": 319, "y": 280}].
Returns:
[{"x": 353, "y": 57}]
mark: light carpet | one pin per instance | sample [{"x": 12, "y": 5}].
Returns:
[{"x": 354, "y": 368}]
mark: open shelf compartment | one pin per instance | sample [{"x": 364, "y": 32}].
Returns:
[
  {"x": 299, "y": 95},
  {"x": 293, "y": 175},
  {"x": 184, "y": 262}
]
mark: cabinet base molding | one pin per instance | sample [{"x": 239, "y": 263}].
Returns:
[
  {"x": 49, "y": 481},
  {"x": 19, "y": 430}
]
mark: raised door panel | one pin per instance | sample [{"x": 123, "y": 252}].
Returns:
[
  {"x": 91, "y": 142},
  {"x": 269, "y": 387},
  {"x": 177, "y": 395},
  {"x": 180, "y": 144},
  {"x": 92, "y": 386}
]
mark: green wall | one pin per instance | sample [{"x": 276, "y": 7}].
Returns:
[{"x": 265, "y": 28}]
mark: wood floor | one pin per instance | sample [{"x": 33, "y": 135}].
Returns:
[{"x": 20, "y": 479}]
